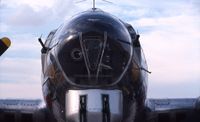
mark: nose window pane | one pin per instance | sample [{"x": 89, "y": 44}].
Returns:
[{"x": 93, "y": 49}]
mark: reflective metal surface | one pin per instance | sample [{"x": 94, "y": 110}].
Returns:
[{"x": 94, "y": 105}]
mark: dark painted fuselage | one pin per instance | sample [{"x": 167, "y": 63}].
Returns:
[{"x": 94, "y": 50}]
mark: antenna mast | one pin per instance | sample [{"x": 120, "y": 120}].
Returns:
[{"x": 93, "y": 4}]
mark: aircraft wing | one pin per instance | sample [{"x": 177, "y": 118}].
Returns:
[
  {"x": 23, "y": 111},
  {"x": 173, "y": 110},
  {"x": 159, "y": 110}
]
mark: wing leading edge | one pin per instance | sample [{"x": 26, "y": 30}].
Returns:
[
  {"x": 173, "y": 110},
  {"x": 159, "y": 110},
  {"x": 24, "y": 111}
]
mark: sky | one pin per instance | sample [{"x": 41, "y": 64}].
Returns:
[{"x": 169, "y": 34}]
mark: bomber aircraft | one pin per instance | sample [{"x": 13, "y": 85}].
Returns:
[{"x": 94, "y": 70}]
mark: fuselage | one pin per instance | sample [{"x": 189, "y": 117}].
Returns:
[{"x": 94, "y": 54}]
